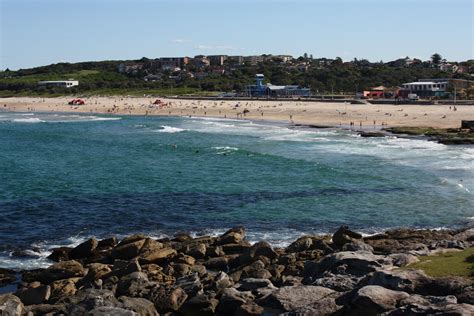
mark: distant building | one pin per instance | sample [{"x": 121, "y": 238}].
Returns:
[
  {"x": 427, "y": 88},
  {"x": 283, "y": 58},
  {"x": 170, "y": 63},
  {"x": 201, "y": 61},
  {"x": 59, "y": 83},
  {"x": 235, "y": 60},
  {"x": 261, "y": 90},
  {"x": 254, "y": 60},
  {"x": 375, "y": 92},
  {"x": 217, "y": 60}
]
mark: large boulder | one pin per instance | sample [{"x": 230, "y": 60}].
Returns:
[
  {"x": 141, "y": 306},
  {"x": 374, "y": 299},
  {"x": 301, "y": 244},
  {"x": 167, "y": 299},
  {"x": 249, "y": 309},
  {"x": 231, "y": 299},
  {"x": 337, "y": 282},
  {"x": 357, "y": 263},
  {"x": 89, "y": 299},
  {"x": 60, "y": 254},
  {"x": 62, "y": 270},
  {"x": 132, "y": 284},
  {"x": 344, "y": 235},
  {"x": 400, "y": 280},
  {"x": 63, "y": 288},
  {"x": 288, "y": 298},
  {"x": 197, "y": 251},
  {"x": 200, "y": 305},
  {"x": 10, "y": 305},
  {"x": 111, "y": 310},
  {"x": 84, "y": 250},
  {"x": 250, "y": 284},
  {"x": 7, "y": 276},
  {"x": 191, "y": 284},
  {"x": 431, "y": 305},
  {"x": 232, "y": 236},
  {"x": 128, "y": 249},
  {"x": 157, "y": 255}
]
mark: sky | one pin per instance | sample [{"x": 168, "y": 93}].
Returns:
[{"x": 41, "y": 32}]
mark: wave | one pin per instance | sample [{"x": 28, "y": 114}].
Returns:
[
  {"x": 28, "y": 120},
  {"x": 170, "y": 129}
]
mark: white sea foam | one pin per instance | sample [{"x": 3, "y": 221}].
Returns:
[
  {"x": 28, "y": 120},
  {"x": 169, "y": 129}
]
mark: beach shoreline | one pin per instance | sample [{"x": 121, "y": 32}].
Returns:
[{"x": 319, "y": 114}]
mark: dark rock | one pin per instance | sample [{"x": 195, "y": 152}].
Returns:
[
  {"x": 84, "y": 250},
  {"x": 402, "y": 259},
  {"x": 401, "y": 280},
  {"x": 61, "y": 270},
  {"x": 89, "y": 299},
  {"x": 107, "y": 243},
  {"x": 37, "y": 294},
  {"x": 466, "y": 297},
  {"x": 236, "y": 248},
  {"x": 182, "y": 237},
  {"x": 63, "y": 288},
  {"x": 181, "y": 269},
  {"x": 141, "y": 306},
  {"x": 231, "y": 299},
  {"x": 250, "y": 284},
  {"x": 337, "y": 282},
  {"x": 357, "y": 263},
  {"x": 249, "y": 309},
  {"x": 124, "y": 267},
  {"x": 344, "y": 235},
  {"x": 191, "y": 284},
  {"x": 357, "y": 246},
  {"x": 222, "y": 280},
  {"x": 374, "y": 299},
  {"x": 45, "y": 309},
  {"x": 218, "y": 263},
  {"x": 132, "y": 284},
  {"x": 197, "y": 251},
  {"x": 110, "y": 310},
  {"x": 232, "y": 236},
  {"x": 200, "y": 305},
  {"x": 182, "y": 258},
  {"x": 301, "y": 244},
  {"x": 214, "y": 251},
  {"x": 289, "y": 299},
  {"x": 431, "y": 305},
  {"x": 262, "y": 248},
  {"x": 97, "y": 271},
  {"x": 128, "y": 250},
  {"x": 168, "y": 299},
  {"x": 10, "y": 305},
  {"x": 60, "y": 254},
  {"x": 131, "y": 238},
  {"x": 291, "y": 280}
]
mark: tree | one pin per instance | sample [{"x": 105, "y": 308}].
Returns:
[{"x": 436, "y": 59}]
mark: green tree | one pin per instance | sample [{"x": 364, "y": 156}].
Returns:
[{"x": 436, "y": 59}]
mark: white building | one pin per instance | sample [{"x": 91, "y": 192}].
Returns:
[
  {"x": 59, "y": 83},
  {"x": 427, "y": 87}
]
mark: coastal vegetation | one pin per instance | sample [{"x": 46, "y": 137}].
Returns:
[{"x": 323, "y": 76}]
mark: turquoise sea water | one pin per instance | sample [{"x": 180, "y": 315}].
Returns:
[{"x": 64, "y": 178}]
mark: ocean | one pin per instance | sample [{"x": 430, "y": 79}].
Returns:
[{"x": 67, "y": 177}]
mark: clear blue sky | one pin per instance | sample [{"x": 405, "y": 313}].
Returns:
[{"x": 42, "y": 32}]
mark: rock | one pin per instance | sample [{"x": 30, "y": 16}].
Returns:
[
  {"x": 182, "y": 258},
  {"x": 402, "y": 259},
  {"x": 182, "y": 237},
  {"x": 344, "y": 235},
  {"x": 34, "y": 295},
  {"x": 84, "y": 250},
  {"x": 374, "y": 299},
  {"x": 156, "y": 255},
  {"x": 236, "y": 248},
  {"x": 291, "y": 280},
  {"x": 10, "y": 305},
  {"x": 222, "y": 281},
  {"x": 60, "y": 254},
  {"x": 466, "y": 297},
  {"x": 200, "y": 305},
  {"x": 249, "y": 309},
  {"x": 63, "y": 288},
  {"x": 168, "y": 299},
  {"x": 110, "y": 310},
  {"x": 107, "y": 243},
  {"x": 89, "y": 299},
  {"x": 432, "y": 305},
  {"x": 124, "y": 267},
  {"x": 141, "y": 306},
  {"x": 45, "y": 309},
  {"x": 262, "y": 248},
  {"x": 357, "y": 263},
  {"x": 197, "y": 251},
  {"x": 446, "y": 286},
  {"x": 250, "y": 284},
  {"x": 337, "y": 282},
  {"x": 214, "y": 251},
  {"x": 301, "y": 244},
  {"x": 218, "y": 263},
  {"x": 231, "y": 299},
  {"x": 97, "y": 271},
  {"x": 128, "y": 250},
  {"x": 62, "y": 270},
  {"x": 290, "y": 298},
  {"x": 357, "y": 246},
  {"x": 232, "y": 236},
  {"x": 400, "y": 280},
  {"x": 191, "y": 284},
  {"x": 132, "y": 284}
]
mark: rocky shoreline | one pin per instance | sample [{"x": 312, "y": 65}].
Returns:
[{"x": 340, "y": 274}]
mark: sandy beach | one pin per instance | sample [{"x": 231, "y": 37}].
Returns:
[{"x": 316, "y": 113}]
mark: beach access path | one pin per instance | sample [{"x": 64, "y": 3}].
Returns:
[{"x": 292, "y": 111}]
